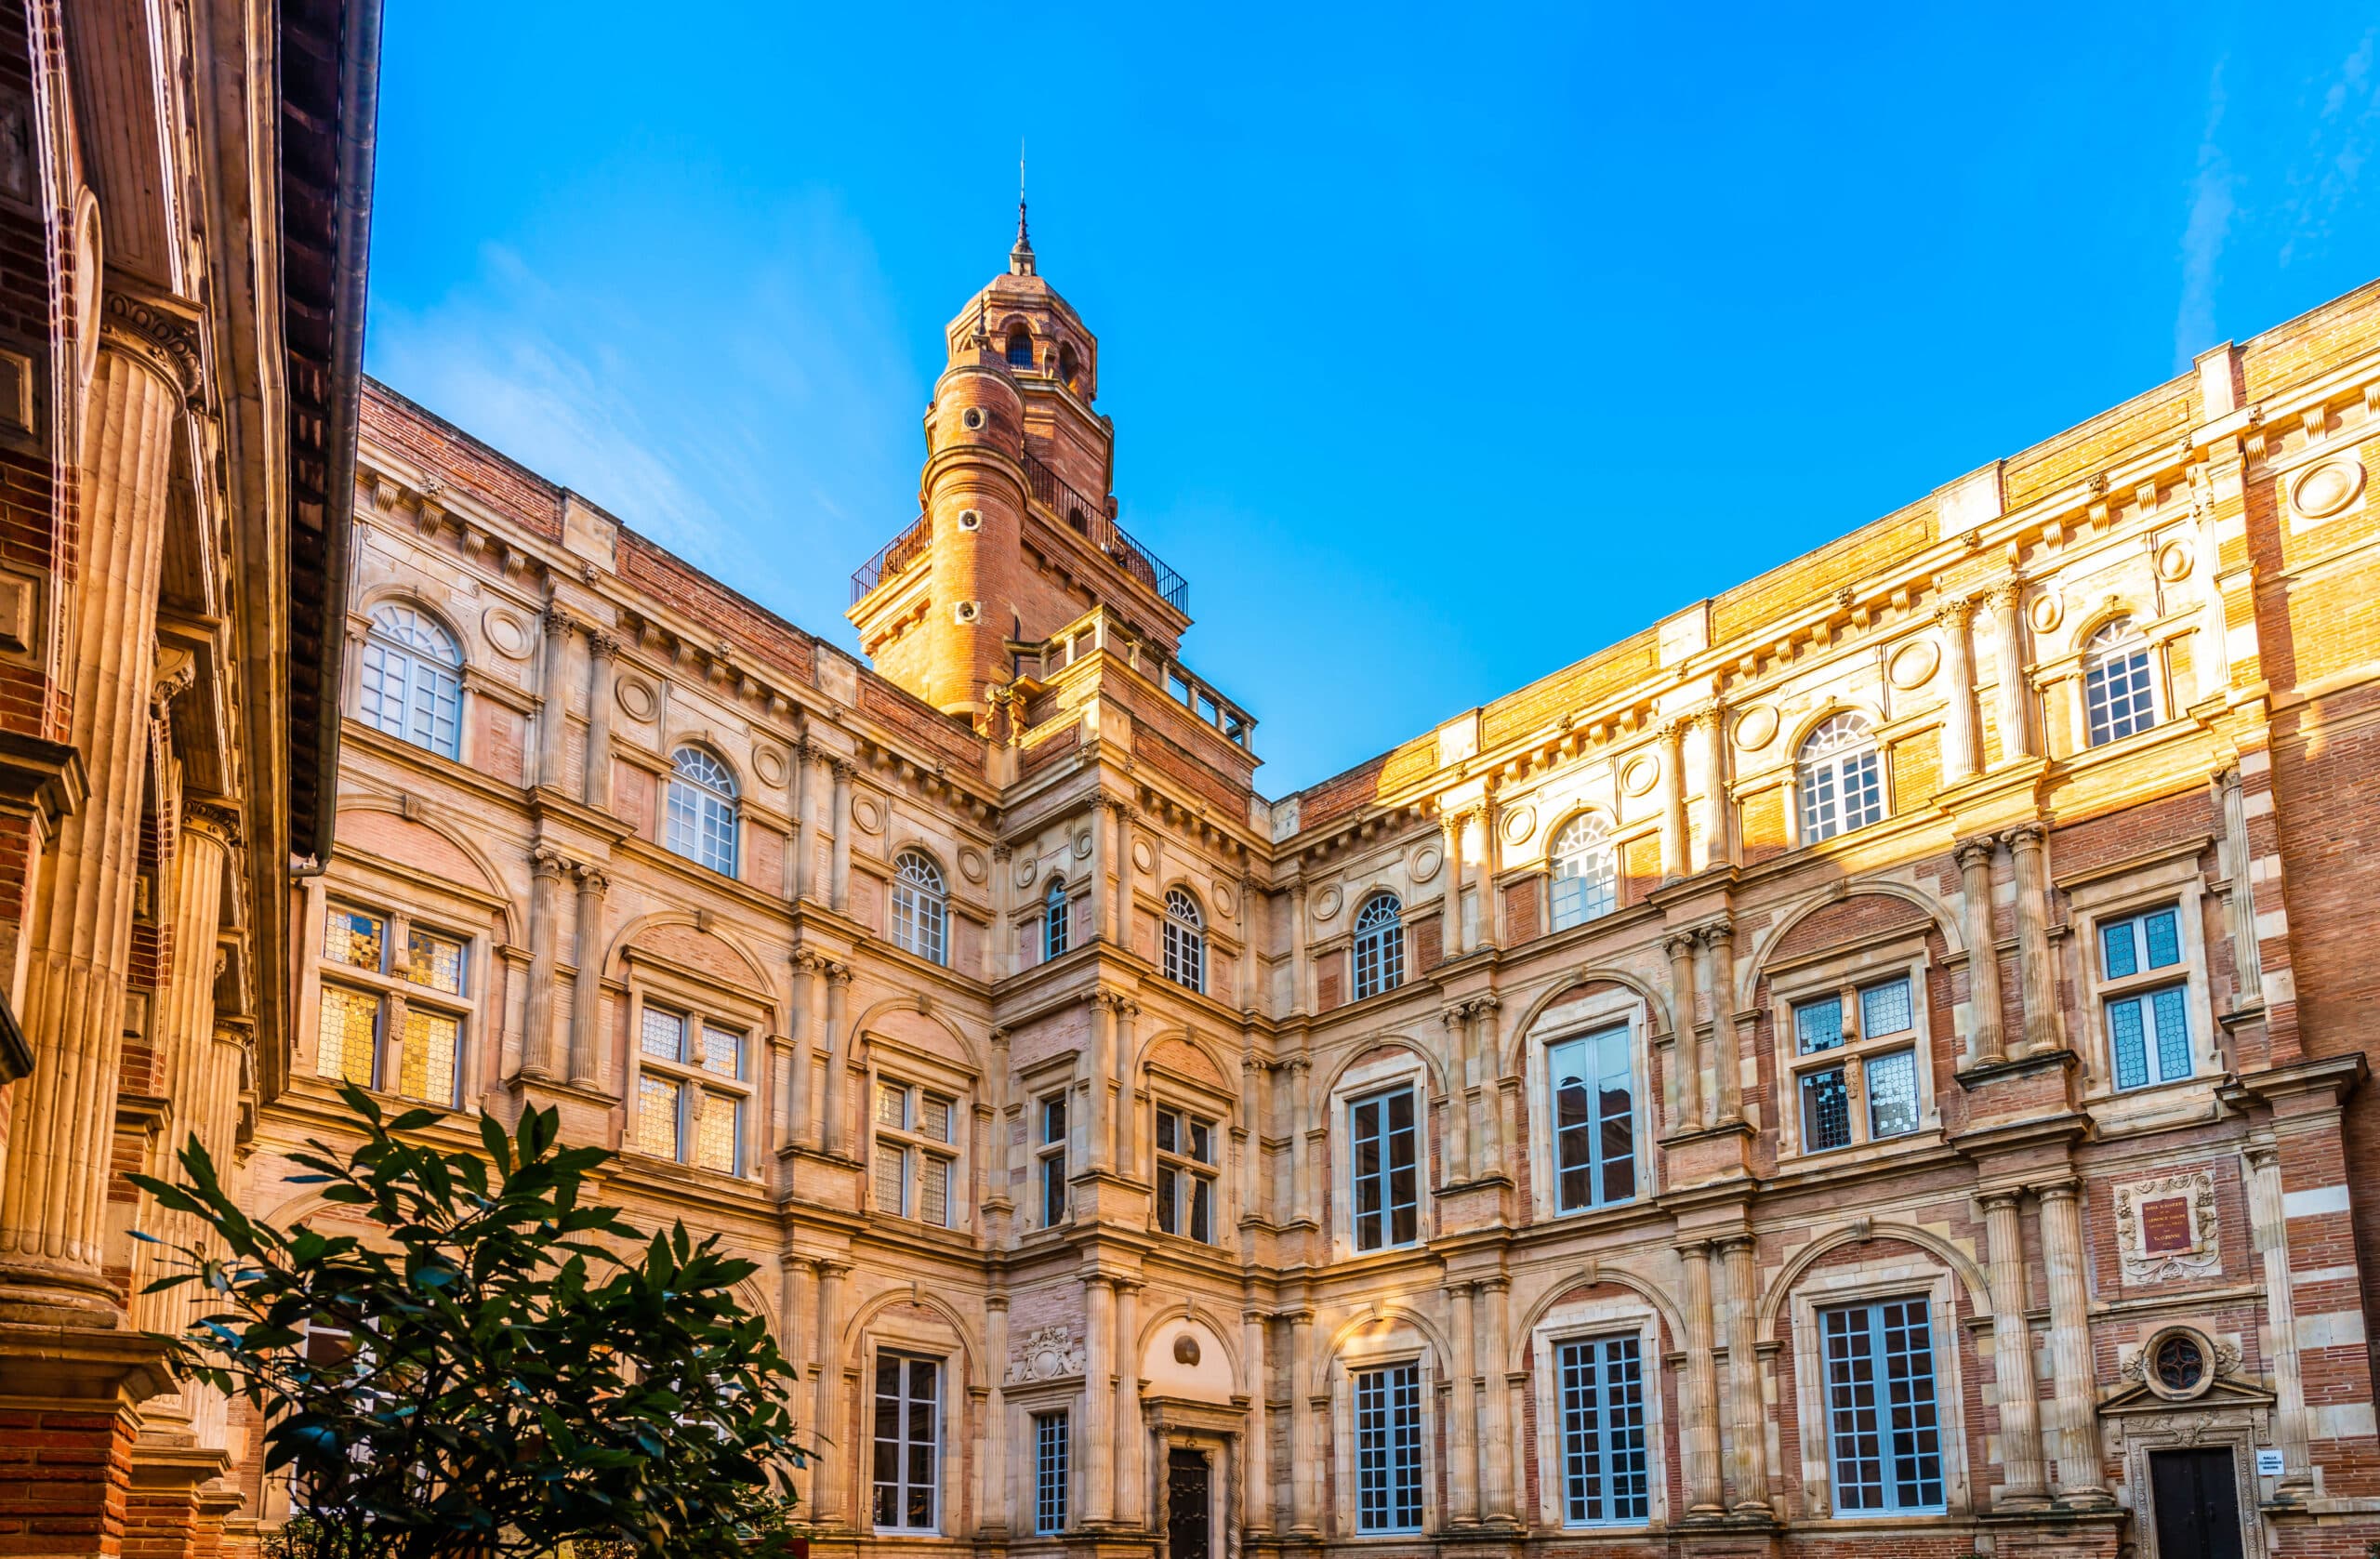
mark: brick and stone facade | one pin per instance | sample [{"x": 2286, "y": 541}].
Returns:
[{"x": 2054, "y": 783}]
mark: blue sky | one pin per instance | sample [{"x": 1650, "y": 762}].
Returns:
[{"x": 1443, "y": 347}]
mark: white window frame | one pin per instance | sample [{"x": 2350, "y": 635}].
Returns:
[
  {"x": 917, "y": 1150},
  {"x": 1184, "y": 937},
  {"x": 1844, "y": 977},
  {"x": 1895, "y": 1276},
  {"x": 1052, "y": 1456},
  {"x": 699, "y": 1088},
  {"x": 2176, "y": 883},
  {"x": 701, "y": 820},
  {"x": 2119, "y": 642},
  {"x": 1376, "y": 944},
  {"x": 1585, "y": 840},
  {"x": 1627, "y": 1314},
  {"x": 1186, "y": 1172},
  {"x": 1831, "y": 765},
  {"x": 920, "y": 905},
  {"x": 428, "y": 683},
  {"x": 395, "y": 996},
  {"x": 1381, "y": 1346},
  {"x": 1400, "y": 1069},
  {"x": 935, "y": 1412},
  {"x": 1558, "y": 1025},
  {"x": 1601, "y": 1035},
  {"x": 1383, "y": 1382}
]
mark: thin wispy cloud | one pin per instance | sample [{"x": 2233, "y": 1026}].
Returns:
[
  {"x": 2212, "y": 206},
  {"x": 2339, "y": 146}
]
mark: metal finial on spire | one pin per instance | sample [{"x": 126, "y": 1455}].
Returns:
[{"x": 1020, "y": 258}]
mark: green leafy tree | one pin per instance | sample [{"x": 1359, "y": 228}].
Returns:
[{"x": 501, "y": 1367}]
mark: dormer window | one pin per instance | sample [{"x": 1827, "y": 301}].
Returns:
[{"x": 1019, "y": 349}]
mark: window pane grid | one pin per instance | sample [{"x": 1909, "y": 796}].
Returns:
[
  {"x": 663, "y": 1035},
  {"x": 1185, "y": 941},
  {"x": 1882, "y": 1408},
  {"x": 432, "y": 1043},
  {"x": 892, "y": 1179},
  {"x": 1388, "y": 1449},
  {"x": 1606, "y": 1465},
  {"x": 920, "y": 915},
  {"x": 906, "y": 1442},
  {"x": 1842, "y": 780},
  {"x": 1050, "y": 1472},
  {"x": 410, "y": 689},
  {"x": 1586, "y": 873},
  {"x": 2149, "y": 1035},
  {"x": 1818, "y": 1025},
  {"x": 354, "y": 938},
  {"x": 1594, "y": 1120},
  {"x": 1826, "y": 1109},
  {"x": 2116, "y": 693},
  {"x": 1884, "y": 1008},
  {"x": 1387, "y": 1200},
  {"x": 348, "y": 1038},
  {"x": 657, "y": 1116},
  {"x": 720, "y": 1129},
  {"x": 1379, "y": 947},
  {"x": 1891, "y": 1083}
]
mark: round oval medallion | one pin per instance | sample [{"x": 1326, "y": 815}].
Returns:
[
  {"x": 1326, "y": 904},
  {"x": 1425, "y": 863},
  {"x": 1026, "y": 866},
  {"x": 1225, "y": 903},
  {"x": 507, "y": 632},
  {"x": 1142, "y": 857},
  {"x": 2048, "y": 610},
  {"x": 635, "y": 697},
  {"x": 1082, "y": 845},
  {"x": 2327, "y": 488},
  {"x": 768, "y": 765},
  {"x": 866, "y": 813},
  {"x": 1756, "y": 728},
  {"x": 1185, "y": 1349},
  {"x": 1519, "y": 822},
  {"x": 1643, "y": 770},
  {"x": 2173, "y": 560},
  {"x": 971, "y": 864},
  {"x": 1912, "y": 665}
]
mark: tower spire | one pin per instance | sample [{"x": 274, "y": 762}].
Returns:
[{"x": 1020, "y": 258}]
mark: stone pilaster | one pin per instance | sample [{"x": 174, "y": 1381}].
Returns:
[
  {"x": 2043, "y": 1029},
  {"x": 1699, "y": 1406},
  {"x": 827, "y": 1490},
  {"x": 1685, "y": 1059},
  {"x": 1452, "y": 942},
  {"x": 2013, "y": 705},
  {"x": 2240, "y": 892},
  {"x": 803, "y": 1117},
  {"x": 1456, "y": 1017},
  {"x": 2024, "y": 1483},
  {"x": 1495, "y": 1463},
  {"x": 1676, "y": 861},
  {"x": 1747, "y": 1409},
  {"x": 1718, "y": 836},
  {"x": 1305, "y": 1477},
  {"x": 1098, "y": 1438},
  {"x": 586, "y": 983},
  {"x": 603, "y": 663},
  {"x": 553, "y": 702},
  {"x": 991, "y": 1499},
  {"x": 1130, "y": 1438},
  {"x": 1256, "y": 1479},
  {"x": 2063, "y": 1254},
  {"x": 1718, "y": 940},
  {"x": 54, "y": 1180},
  {"x": 830, "y": 1108},
  {"x": 546, "y": 871},
  {"x": 2268, "y": 1224},
  {"x": 1127, "y": 1155},
  {"x": 840, "y": 878},
  {"x": 1985, "y": 1045},
  {"x": 1961, "y": 730},
  {"x": 1462, "y": 1423}
]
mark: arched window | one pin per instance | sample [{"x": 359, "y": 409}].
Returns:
[
  {"x": 920, "y": 911},
  {"x": 702, "y": 810},
  {"x": 413, "y": 682},
  {"x": 2117, "y": 690},
  {"x": 1586, "y": 872},
  {"x": 1056, "y": 932},
  {"x": 1019, "y": 349},
  {"x": 1380, "y": 945},
  {"x": 1842, "y": 780},
  {"x": 1185, "y": 941}
]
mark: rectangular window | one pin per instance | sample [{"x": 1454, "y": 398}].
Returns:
[
  {"x": 1885, "y": 1009},
  {"x": 2148, "y": 1029},
  {"x": 1052, "y": 1154},
  {"x": 1387, "y": 1180},
  {"x": 1826, "y": 1110},
  {"x": 397, "y": 1011},
  {"x": 908, "y": 1443},
  {"x": 432, "y": 1041},
  {"x": 1863, "y": 1082},
  {"x": 1594, "y": 1119},
  {"x": 1891, "y": 1082},
  {"x": 1186, "y": 1183},
  {"x": 1388, "y": 1449},
  {"x": 1048, "y": 1473},
  {"x": 1886, "y": 1446},
  {"x": 355, "y": 938},
  {"x": 1606, "y": 1475},
  {"x": 691, "y": 1094},
  {"x": 915, "y": 1167},
  {"x": 433, "y": 961},
  {"x": 348, "y": 1046},
  {"x": 1818, "y": 1025}
]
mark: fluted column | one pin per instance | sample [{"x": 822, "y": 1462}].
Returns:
[
  {"x": 1131, "y": 1493},
  {"x": 2024, "y": 1483},
  {"x": 1251, "y": 1117},
  {"x": 2268, "y": 1224},
  {"x": 800, "y": 1293},
  {"x": 1985, "y": 1044},
  {"x": 603, "y": 662},
  {"x": 1119, "y": 818},
  {"x": 588, "y": 985},
  {"x": 827, "y": 1491},
  {"x": 1305, "y": 1477},
  {"x": 1462, "y": 1423},
  {"x": 1304, "y": 1133},
  {"x": 991, "y": 1499},
  {"x": 1495, "y": 1412},
  {"x": 553, "y": 698},
  {"x": 1458, "y": 1126},
  {"x": 2042, "y": 1026},
  {"x": 1301, "y": 965},
  {"x": 1747, "y": 1409},
  {"x": 1686, "y": 1057},
  {"x": 802, "y": 1115},
  {"x": 53, "y": 1182},
  {"x": 1256, "y": 1454},
  {"x": 810, "y": 770},
  {"x": 1452, "y": 942},
  {"x": 1488, "y": 1045},
  {"x": 2069, "y": 1339},
  {"x": 1101, "y": 849},
  {"x": 840, "y": 879},
  {"x": 1726, "y": 1055},
  {"x": 2013, "y": 706},
  {"x": 1098, "y": 1440},
  {"x": 2240, "y": 893},
  {"x": 1250, "y": 953},
  {"x": 1003, "y": 961},
  {"x": 1718, "y": 840},
  {"x": 1127, "y": 1152},
  {"x": 830, "y": 1106},
  {"x": 1491, "y": 919},
  {"x": 1676, "y": 863},
  {"x": 546, "y": 872},
  {"x": 1699, "y": 1442},
  {"x": 1100, "y": 1127},
  {"x": 1962, "y": 731}
]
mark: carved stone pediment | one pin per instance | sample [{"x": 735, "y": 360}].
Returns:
[{"x": 1044, "y": 1353}]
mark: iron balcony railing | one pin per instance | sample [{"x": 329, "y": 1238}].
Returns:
[
  {"x": 1052, "y": 493},
  {"x": 891, "y": 557},
  {"x": 1055, "y": 493}
]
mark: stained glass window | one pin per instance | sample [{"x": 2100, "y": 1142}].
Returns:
[
  {"x": 354, "y": 938},
  {"x": 348, "y": 1045},
  {"x": 432, "y": 962},
  {"x": 433, "y": 1042}
]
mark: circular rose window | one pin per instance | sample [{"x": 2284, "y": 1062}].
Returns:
[{"x": 2178, "y": 1364}]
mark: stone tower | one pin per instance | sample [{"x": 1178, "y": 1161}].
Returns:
[{"x": 1016, "y": 535}]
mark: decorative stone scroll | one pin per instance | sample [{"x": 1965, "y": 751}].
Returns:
[
  {"x": 1044, "y": 1353},
  {"x": 2166, "y": 1228}
]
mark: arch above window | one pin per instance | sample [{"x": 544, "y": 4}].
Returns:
[
  {"x": 1020, "y": 347},
  {"x": 1056, "y": 934},
  {"x": 412, "y": 679},
  {"x": 701, "y": 811},
  {"x": 921, "y": 907},
  {"x": 1380, "y": 945},
  {"x": 1585, "y": 870},
  {"x": 2119, "y": 689},
  {"x": 1185, "y": 940},
  {"x": 1841, "y": 778}
]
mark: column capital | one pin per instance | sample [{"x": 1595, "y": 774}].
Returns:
[
  {"x": 829, "y": 1268},
  {"x": 2025, "y": 835},
  {"x": 1300, "y": 1063},
  {"x": 837, "y": 974},
  {"x": 2260, "y": 1155},
  {"x": 809, "y": 960},
  {"x": 1715, "y": 932},
  {"x": 1679, "y": 944},
  {"x": 603, "y": 645},
  {"x": 1495, "y": 1282},
  {"x": 547, "y": 862},
  {"x": 215, "y": 820},
  {"x": 2007, "y": 597},
  {"x": 1003, "y": 853},
  {"x": 1974, "y": 851},
  {"x": 555, "y": 622},
  {"x": 162, "y": 333},
  {"x": 842, "y": 768},
  {"x": 1954, "y": 612},
  {"x": 593, "y": 880},
  {"x": 2059, "y": 1191},
  {"x": 999, "y": 1037},
  {"x": 1739, "y": 1239},
  {"x": 2000, "y": 1196},
  {"x": 1694, "y": 1249},
  {"x": 1454, "y": 1013}
]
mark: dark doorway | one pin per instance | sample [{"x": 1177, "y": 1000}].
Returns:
[
  {"x": 2197, "y": 1499},
  {"x": 1188, "y": 1487}
]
